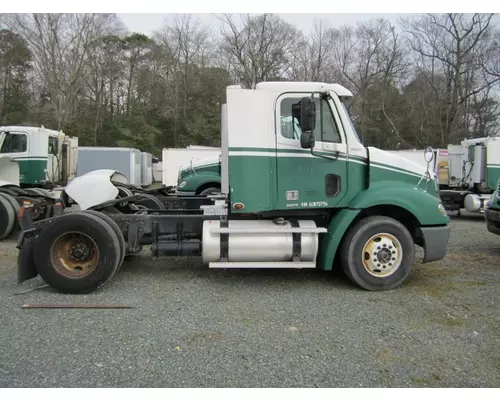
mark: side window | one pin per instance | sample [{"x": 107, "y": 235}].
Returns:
[
  {"x": 15, "y": 143},
  {"x": 290, "y": 126},
  {"x": 53, "y": 142},
  {"x": 326, "y": 128}
]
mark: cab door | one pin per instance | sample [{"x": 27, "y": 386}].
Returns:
[
  {"x": 16, "y": 145},
  {"x": 305, "y": 180}
]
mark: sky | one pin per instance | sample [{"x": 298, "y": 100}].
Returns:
[{"x": 147, "y": 23}]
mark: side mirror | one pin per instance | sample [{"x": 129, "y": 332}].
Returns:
[
  {"x": 428, "y": 154},
  {"x": 307, "y": 114},
  {"x": 307, "y": 140}
]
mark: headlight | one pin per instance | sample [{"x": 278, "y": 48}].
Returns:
[
  {"x": 442, "y": 209},
  {"x": 182, "y": 184}
]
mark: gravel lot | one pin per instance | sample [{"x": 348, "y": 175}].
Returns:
[{"x": 195, "y": 327}]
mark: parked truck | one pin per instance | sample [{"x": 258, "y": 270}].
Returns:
[
  {"x": 46, "y": 157},
  {"x": 470, "y": 175},
  {"x": 45, "y": 203},
  {"x": 492, "y": 211},
  {"x": 316, "y": 201},
  {"x": 32, "y": 161}
]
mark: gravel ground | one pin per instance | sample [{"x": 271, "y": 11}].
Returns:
[{"x": 195, "y": 327}]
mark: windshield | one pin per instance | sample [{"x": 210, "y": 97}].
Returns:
[{"x": 350, "y": 121}]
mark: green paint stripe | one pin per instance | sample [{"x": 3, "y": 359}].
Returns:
[
  {"x": 281, "y": 151},
  {"x": 27, "y": 158},
  {"x": 341, "y": 156}
]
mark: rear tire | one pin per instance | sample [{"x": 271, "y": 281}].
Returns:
[
  {"x": 149, "y": 201},
  {"x": 7, "y": 217},
  {"x": 15, "y": 206},
  {"x": 378, "y": 253},
  {"x": 116, "y": 230},
  {"x": 77, "y": 253}
]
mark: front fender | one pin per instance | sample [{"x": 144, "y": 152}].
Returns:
[
  {"x": 193, "y": 182},
  {"x": 330, "y": 241},
  {"x": 423, "y": 205}
]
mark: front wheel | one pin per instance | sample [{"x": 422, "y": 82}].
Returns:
[{"x": 378, "y": 253}]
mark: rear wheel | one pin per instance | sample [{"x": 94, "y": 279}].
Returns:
[
  {"x": 15, "y": 206},
  {"x": 378, "y": 253},
  {"x": 116, "y": 230},
  {"x": 77, "y": 253},
  {"x": 149, "y": 201}
]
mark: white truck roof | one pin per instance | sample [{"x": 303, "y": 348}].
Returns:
[{"x": 340, "y": 90}]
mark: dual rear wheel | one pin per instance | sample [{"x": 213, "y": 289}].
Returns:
[
  {"x": 9, "y": 208},
  {"x": 77, "y": 252}
]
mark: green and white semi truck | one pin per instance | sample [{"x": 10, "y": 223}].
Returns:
[
  {"x": 314, "y": 201},
  {"x": 46, "y": 157}
]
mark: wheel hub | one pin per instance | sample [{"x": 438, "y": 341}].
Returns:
[
  {"x": 79, "y": 252},
  {"x": 74, "y": 255},
  {"x": 382, "y": 255}
]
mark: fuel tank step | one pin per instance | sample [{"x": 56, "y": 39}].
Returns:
[{"x": 263, "y": 264}]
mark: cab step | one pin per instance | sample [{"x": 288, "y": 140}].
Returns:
[{"x": 263, "y": 264}]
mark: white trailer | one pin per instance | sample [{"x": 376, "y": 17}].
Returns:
[{"x": 123, "y": 159}]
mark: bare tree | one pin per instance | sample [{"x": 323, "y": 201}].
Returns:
[
  {"x": 311, "y": 58},
  {"x": 452, "y": 47},
  {"x": 372, "y": 62},
  {"x": 259, "y": 49},
  {"x": 60, "y": 46},
  {"x": 190, "y": 46}
]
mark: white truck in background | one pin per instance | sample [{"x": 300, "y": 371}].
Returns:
[
  {"x": 32, "y": 161},
  {"x": 467, "y": 173},
  {"x": 46, "y": 157}
]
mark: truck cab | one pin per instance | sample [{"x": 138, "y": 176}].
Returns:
[{"x": 45, "y": 156}]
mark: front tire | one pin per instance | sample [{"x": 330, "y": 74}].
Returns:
[{"x": 378, "y": 253}]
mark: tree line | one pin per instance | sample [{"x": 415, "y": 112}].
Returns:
[{"x": 430, "y": 79}]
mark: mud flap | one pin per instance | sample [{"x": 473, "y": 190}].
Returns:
[
  {"x": 435, "y": 242},
  {"x": 26, "y": 268}
]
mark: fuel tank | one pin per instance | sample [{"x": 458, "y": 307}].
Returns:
[{"x": 260, "y": 241}]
